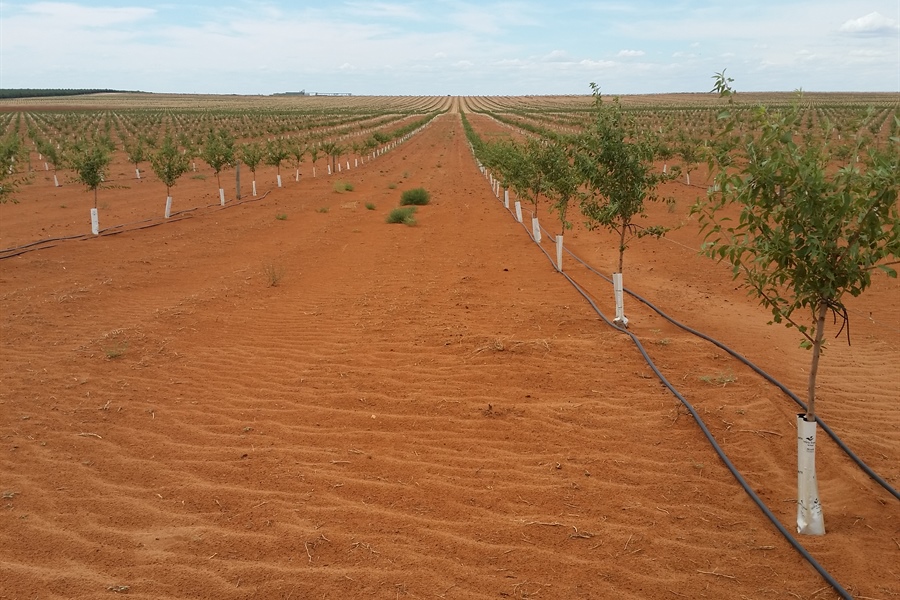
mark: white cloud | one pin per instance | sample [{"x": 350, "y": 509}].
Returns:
[
  {"x": 872, "y": 24},
  {"x": 597, "y": 64},
  {"x": 464, "y": 46},
  {"x": 558, "y": 56},
  {"x": 384, "y": 10},
  {"x": 74, "y": 15}
]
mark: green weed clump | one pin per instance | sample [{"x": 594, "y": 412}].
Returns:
[
  {"x": 402, "y": 215},
  {"x": 370, "y": 206},
  {"x": 416, "y": 196},
  {"x": 281, "y": 217},
  {"x": 342, "y": 186}
]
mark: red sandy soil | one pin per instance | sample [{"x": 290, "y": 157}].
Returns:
[{"x": 411, "y": 412}]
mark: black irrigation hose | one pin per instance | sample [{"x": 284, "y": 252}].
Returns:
[
  {"x": 29, "y": 250},
  {"x": 712, "y": 440},
  {"x": 843, "y": 446},
  {"x": 28, "y": 245},
  {"x": 117, "y": 229}
]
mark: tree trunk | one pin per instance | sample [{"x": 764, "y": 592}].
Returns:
[
  {"x": 622, "y": 247},
  {"x": 814, "y": 366}
]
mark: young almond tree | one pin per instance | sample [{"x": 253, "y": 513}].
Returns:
[
  {"x": 10, "y": 150},
  {"x": 52, "y": 154},
  {"x": 314, "y": 156},
  {"x": 252, "y": 154},
  {"x": 137, "y": 153},
  {"x": 689, "y": 149},
  {"x": 218, "y": 152},
  {"x": 188, "y": 148},
  {"x": 298, "y": 151},
  {"x": 562, "y": 180},
  {"x": 89, "y": 159},
  {"x": 615, "y": 160},
  {"x": 808, "y": 233},
  {"x": 276, "y": 153},
  {"x": 369, "y": 146},
  {"x": 562, "y": 184},
  {"x": 334, "y": 151},
  {"x": 509, "y": 162},
  {"x": 169, "y": 163}
]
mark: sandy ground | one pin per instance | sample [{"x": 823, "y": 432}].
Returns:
[{"x": 411, "y": 412}]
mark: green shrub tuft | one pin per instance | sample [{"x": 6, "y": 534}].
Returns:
[
  {"x": 402, "y": 215},
  {"x": 416, "y": 196}
]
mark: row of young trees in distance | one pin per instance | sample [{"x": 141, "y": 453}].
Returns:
[{"x": 218, "y": 147}]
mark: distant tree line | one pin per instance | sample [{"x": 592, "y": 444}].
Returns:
[{"x": 43, "y": 93}]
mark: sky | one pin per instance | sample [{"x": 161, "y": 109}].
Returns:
[{"x": 451, "y": 47}]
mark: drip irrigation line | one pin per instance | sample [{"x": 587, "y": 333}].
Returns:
[
  {"x": 53, "y": 244},
  {"x": 837, "y": 440},
  {"x": 30, "y": 244},
  {"x": 710, "y": 438},
  {"x": 117, "y": 229},
  {"x": 745, "y": 361},
  {"x": 718, "y": 449},
  {"x": 850, "y": 310}
]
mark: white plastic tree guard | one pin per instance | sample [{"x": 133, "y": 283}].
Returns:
[
  {"x": 535, "y": 229},
  {"x": 618, "y": 289},
  {"x": 253, "y": 186},
  {"x": 95, "y": 222},
  {"x": 329, "y": 169},
  {"x": 278, "y": 177},
  {"x": 559, "y": 252},
  {"x": 222, "y": 196},
  {"x": 518, "y": 211},
  {"x": 168, "y": 206},
  {"x": 55, "y": 181},
  {"x": 810, "y": 520},
  {"x": 137, "y": 172},
  {"x": 506, "y": 199}
]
